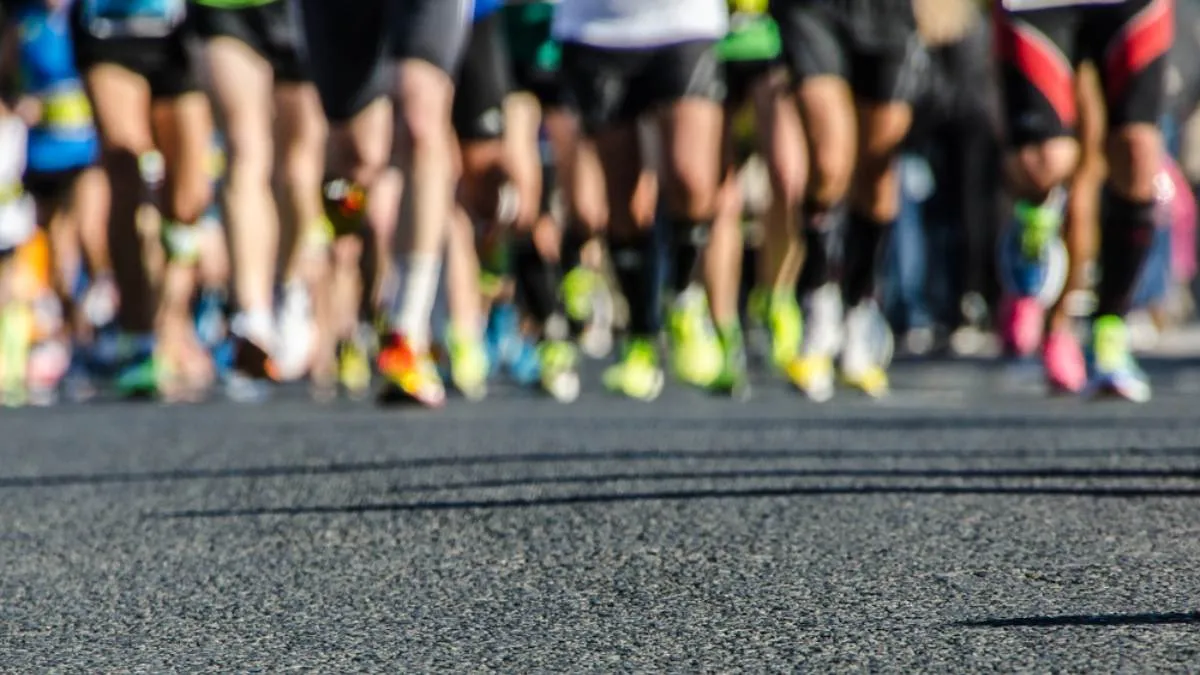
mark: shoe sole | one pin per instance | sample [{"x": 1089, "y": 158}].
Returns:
[
  {"x": 1108, "y": 388},
  {"x": 392, "y": 394},
  {"x": 241, "y": 388},
  {"x": 563, "y": 387},
  {"x": 655, "y": 390}
]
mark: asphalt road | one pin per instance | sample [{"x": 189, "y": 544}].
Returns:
[{"x": 964, "y": 525}]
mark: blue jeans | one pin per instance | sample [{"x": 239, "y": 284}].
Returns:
[{"x": 907, "y": 268}]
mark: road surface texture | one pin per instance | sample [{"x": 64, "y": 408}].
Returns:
[{"x": 967, "y": 524}]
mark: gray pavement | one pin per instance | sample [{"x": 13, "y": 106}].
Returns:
[{"x": 967, "y": 524}]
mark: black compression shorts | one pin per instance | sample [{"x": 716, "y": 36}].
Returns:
[
  {"x": 871, "y": 44},
  {"x": 1041, "y": 48},
  {"x": 483, "y": 83},
  {"x": 271, "y": 30},
  {"x": 167, "y": 63},
  {"x": 611, "y": 87},
  {"x": 352, "y": 45}
]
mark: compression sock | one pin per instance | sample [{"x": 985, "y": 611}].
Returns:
[
  {"x": 1126, "y": 232},
  {"x": 688, "y": 239},
  {"x": 864, "y": 244},
  {"x": 634, "y": 260},
  {"x": 818, "y": 232},
  {"x": 537, "y": 279}
]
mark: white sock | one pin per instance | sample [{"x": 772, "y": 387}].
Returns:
[
  {"x": 256, "y": 326},
  {"x": 419, "y": 274}
]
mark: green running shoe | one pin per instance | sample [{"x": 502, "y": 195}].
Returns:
[
  {"x": 696, "y": 357},
  {"x": 559, "y": 376},
  {"x": 637, "y": 375}
]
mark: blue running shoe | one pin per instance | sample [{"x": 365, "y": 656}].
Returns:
[
  {"x": 1032, "y": 256},
  {"x": 525, "y": 365}
]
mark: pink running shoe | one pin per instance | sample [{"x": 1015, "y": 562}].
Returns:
[
  {"x": 1021, "y": 325},
  {"x": 1066, "y": 371}
]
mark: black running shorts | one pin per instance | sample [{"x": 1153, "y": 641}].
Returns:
[
  {"x": 1041, "y": 47},
  {"x": 352, "y": 45},
  {"x": 871, "y": 44},
  {"x": 612, "y": 87},
  {"x": 483, "y": 83},
  {"x": 167, "y": 63},
  {"x": 742, "y": 76},
  {"x": 271, "y": 30},
  {"x": 51, "y": 185}
]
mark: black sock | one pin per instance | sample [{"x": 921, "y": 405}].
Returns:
[
  {"x": 536, "y": 279},
  {"x": 1126, "y": 232},
  {"x": 862, "y": 249},
  {"x": 819, "y": 231},
  {"x": 571, "y": 248},
  {"x": 688, "y": 238},
  {"x": 634, "y": 259}
]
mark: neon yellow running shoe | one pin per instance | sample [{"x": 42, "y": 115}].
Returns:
[
  {"x": 637, "y": 375},
  {"x": 696, "y": 355},
  {"x": 354, "y": 368},
  {"x": 1040, "y": 224},
  {"x": 468, "y": 365},
  {"x": 813, "y": 375},
  {"x": 16, "y": 339},
  {"x": 734, "y": 378},
  {"x": 578, "y": 286},
  {"x": 779, "y": 313},
  {"x": 1113, "y": 370},
  {"x": 557, "y": 359}
]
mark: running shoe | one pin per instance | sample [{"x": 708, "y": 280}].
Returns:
[
  {"x": 524, "y": 364},
  {"x": 1033, "y": 258},
  {"x": 1022, "y": 320},
  {"x": 468, "y": 365},
  {"x": 734, "y": 377},
  {"x": 16, "y": 333},
  {"x": 590, "y": 307},
  {"x": 49, "y": 361},
  {"x": 1062, "y": 357},
  {"x": 211, "y": 326},
  {"x": 812, "y": 370},
  {"x": 296, "y": 340},
  {"x": 409, "y": 375},
  {"x": 139, "y": 379},
  {"x": 354, "y": 364},
  {"x": 79, "y": 385},
  {"x": 696, "y": 356},
  {"x": 778, "y": 314},
  {"x": 578, "y": 287},
  {"x": 559, "y": 377},
  {"x": 250, "y": 377},
  {"x": 1113, "y": 371},
  {"x": 867, "y": 351},
  {"x": 502, "y": 336},
  {"x": 637, "y": 375}
]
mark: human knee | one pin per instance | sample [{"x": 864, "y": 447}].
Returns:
[
  {"x": 1036, "y": 170},
  {"x": 250, "y": 153}
]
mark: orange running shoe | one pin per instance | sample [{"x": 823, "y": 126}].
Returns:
[{"x": 410, "y": 374}]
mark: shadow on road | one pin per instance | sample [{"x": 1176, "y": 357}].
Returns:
[
  {"x": 1150, "y": 619},
  {"x": 652, "y": 476},
  {"x": 690, "y": 495},
  {"x": 617, "y": 456}
]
